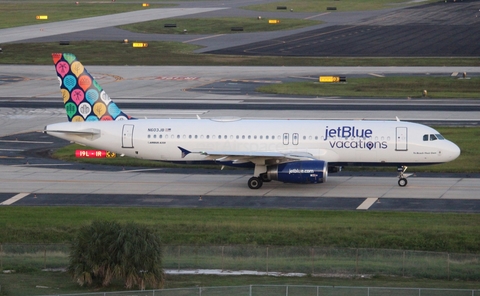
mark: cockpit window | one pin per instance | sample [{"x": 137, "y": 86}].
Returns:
[{"x": 433, "y": 137}]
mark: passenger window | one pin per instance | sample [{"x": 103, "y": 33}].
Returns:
[{"x": 425, "y": 137}]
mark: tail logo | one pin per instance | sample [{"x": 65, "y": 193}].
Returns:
[{"x": 84, "y": 98}]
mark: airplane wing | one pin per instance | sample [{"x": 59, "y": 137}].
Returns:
[{"x": 251, "y": 156}]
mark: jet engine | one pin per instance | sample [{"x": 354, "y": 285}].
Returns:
[{"x": 309, "y": 171}]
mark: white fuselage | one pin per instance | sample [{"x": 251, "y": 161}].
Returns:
[{"x": 347, "y": 142}]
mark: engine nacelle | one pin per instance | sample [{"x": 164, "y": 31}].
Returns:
[{"x": 309, "y": 171}]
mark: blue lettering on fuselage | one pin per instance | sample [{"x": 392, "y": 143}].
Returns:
[
  {"x": 347, "y": 132},
  {"x": 352, "y": 132}
]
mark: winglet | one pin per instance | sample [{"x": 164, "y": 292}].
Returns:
[
  {"x": 185, "y": 152},
  {"x": 84, "y": 98}
]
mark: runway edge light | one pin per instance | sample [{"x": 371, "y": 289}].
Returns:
[
  {"x": 274, "y": 21},
  {"x": 139, "y": 44},
  {"x": 332, "y": 79},
  {"x": 42, "y": 17}
]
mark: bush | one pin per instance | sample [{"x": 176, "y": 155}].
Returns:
[{"x": 104, "y": 251}]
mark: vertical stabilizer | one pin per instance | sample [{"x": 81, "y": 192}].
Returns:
[{"x": 84, "y": 98}]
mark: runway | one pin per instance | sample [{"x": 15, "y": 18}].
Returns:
[
  {"x": 33, "y": 186},
  {"x": 433, "y": 30}
]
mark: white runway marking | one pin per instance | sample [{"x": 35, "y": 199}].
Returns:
[
  {"x": 316, "y": 15},
  {"x": 14, "y": 199},
  {"x": 202, "y": 38},
  {"x": 367, "y": 203}
]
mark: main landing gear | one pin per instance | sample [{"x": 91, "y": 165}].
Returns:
[
  {"x": 402, "y": 181},
  {"x": 257, "y": 182}
]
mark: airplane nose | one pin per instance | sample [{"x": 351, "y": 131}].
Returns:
[{"x": 453, "y": 151}]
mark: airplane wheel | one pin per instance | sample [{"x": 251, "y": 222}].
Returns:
[
  {"x": 402, "y": 182},
  {"x": 255, "y": 183}
]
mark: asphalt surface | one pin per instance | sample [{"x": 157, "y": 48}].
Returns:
[
  {"x": 434, "y": 30},
  {"x": 252, "y": 202}
]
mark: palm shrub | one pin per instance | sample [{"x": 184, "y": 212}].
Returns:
[{"x": 104, "y": 251}]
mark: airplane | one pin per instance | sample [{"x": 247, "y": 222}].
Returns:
[{"x": 289, "y": 151}]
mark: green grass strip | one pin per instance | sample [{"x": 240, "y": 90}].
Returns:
[
  {"x": 449, "y": 232},
  {"x": 386, "y": 87},
  {"x": 216, "y": 25}
]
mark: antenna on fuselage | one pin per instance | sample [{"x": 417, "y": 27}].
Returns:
[{"x": 397, "y": 118}]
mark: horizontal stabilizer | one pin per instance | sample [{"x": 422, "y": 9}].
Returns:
[{"x": 86, "y": 132}]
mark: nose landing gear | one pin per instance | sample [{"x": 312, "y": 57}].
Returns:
[{"x": 402, "y": 181}]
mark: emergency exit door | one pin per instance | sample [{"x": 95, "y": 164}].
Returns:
[
  {"x": 127, "y": 136},
  {"x": 401, "y": 139}
]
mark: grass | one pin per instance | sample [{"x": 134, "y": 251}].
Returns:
[
  {"x": 467, "y": 138},
  {"x": 343, "y": 5},
  {"x": 443, "y": 232},
  {"x": 60, "y": 282},
  {"x": 204, "y": 228},
  {"x": 181, "y": 54},
  {"x": 394, "y": 86},
  {"x": 216, "y": 25},
  {"x": 23, "y": 13}
]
